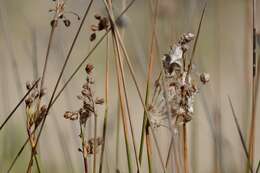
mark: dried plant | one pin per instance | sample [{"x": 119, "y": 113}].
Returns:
[
  {"x": 181, "y": 87},
  {"x": 33, "y": 118},
  {"x": 172, "y": 105},
  {"x": 88, "y": 109}
]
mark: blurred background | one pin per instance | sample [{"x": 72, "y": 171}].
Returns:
[{"x": 224, "y": 51}]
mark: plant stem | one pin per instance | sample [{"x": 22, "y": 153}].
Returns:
[
  {"x": 253, "y": 97},
  {"x": 84, "y": 152},
  {"x": 122, "y": 105},
  {"x": 106, "y": 107},
  {"x": 185, "y": 149}
]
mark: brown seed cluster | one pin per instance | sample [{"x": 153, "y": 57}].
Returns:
[
  {"x": 88, "y": 100},
  {"x": 92, "y": 145},
  {"x": 175, "y": 93},
  {"x": 88, "y": 109},
  {"x": 31, "y": 102},
  {"x": 103, "y": 24},
  {"x": 59, "y": 14}
]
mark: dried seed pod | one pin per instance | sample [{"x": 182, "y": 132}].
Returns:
[
  {"x": 28, "y": 101},
  {"x": 61, "y": 16},
  {"x": 85, "y": 93},
  {"x": 99, "y": 101},
  {"x": 71, "y": 115},
  {"x": 92, "y": 145},
  {"x": 84, "y": 115},
  {"x": 89, "y": 68},
  {"x": 88, "y": 107},
  {"x": 103, "y": 24},
  {"x": 66, "y": 22},
  {"x": 204, "y": 78},
  {"x": 54, "y": 23},
  {"x": 28, "y": 85},
  {"x": 92, "y": 37},
  {"x": 41, "y": 115},
  {"x": 85, "y": 86}
]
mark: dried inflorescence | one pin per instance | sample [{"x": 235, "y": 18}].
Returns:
[
  {"x": 92, "y": 145},
  {"x": 31, "y": 102},
  {"x": 89, "y": 102},
  {"x": 174, "y": 93},
  {"x": 103, "y": 24},
  {"x": 59, "y": 14}
]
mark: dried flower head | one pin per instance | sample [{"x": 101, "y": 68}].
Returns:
[
  {"x": 103, "y": 24},
  {"x": 175, "y": 96},
  {"x": 92, "y": 145},
  {"x": 59, "y": 14},
  {"x": 89, "y": 68},
  {"x": 33, "y": 116},
  {"x": 204, "y": 78}
]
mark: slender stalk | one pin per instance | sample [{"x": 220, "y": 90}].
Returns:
[
  {"x": 117, "y": 134},
  {"x": 106, "y": 107},
  {"x": 197, "y": 38},
  {"x": 136, "y": 84},
  {"x": 95, "y": 144},
  {"x": 169, "y": 155},
  {"x": 126, "y": 100},
  {"x": 84, "y": 152},
  {"x": 185, "y": 149},
  {"x": 148, "y": 147},
  {"x": 253, "y": 97},
  {"x": 145, "y": 125},
  {"x": 120, "y": 88},
  {"x": 258, "y": 167},
  {"x": 41, "y": 86},
  {"x": 240, "y": 135}
]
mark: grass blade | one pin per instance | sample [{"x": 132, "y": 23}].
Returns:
[
  {"x": 197, "y": 37},
  {"x": 137, "y": 87},
  {"x": 120, "y": 88},
  {"x": 240, "y": 133},
  {"x": 106, "y": 107},
  {"x": 253, "y": 97},
  {"x": 145, "y": 126},
  {"x": 258, "y": 167}
]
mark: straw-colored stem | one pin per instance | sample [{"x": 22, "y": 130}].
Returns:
[
  {"x": 106, "y": 107},
  {"x": 84, "y": 152},
  {"x": 137, "y": 86},
  {"x": 253, "y": 97},
  {"x": 185, "y": 149},
  {"x": 123, "y": 109},
  {"x": 145, "y": 125}
]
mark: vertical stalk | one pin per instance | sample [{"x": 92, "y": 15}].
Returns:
[
  {"x": 84, "y": 152},
  {"x": 122, "y": 106},
  {"x": 106, "y": 107},
  {"x": 185, "y": 149},
  {"x": 253, "y": 97}
]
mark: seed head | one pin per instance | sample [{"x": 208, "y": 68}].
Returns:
[{"x": 89, "y": 68}]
